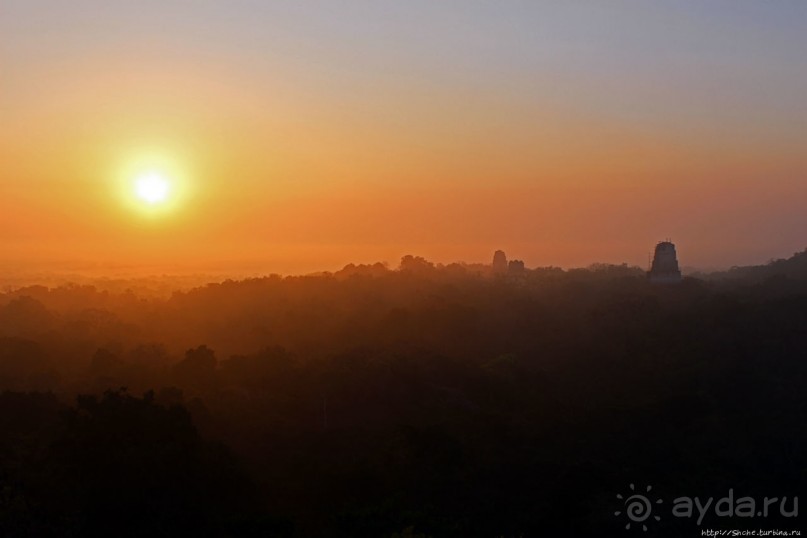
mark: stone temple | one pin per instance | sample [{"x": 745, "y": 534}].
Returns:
[
  {"x": 499, "y": 262},
  {"x": 665, "y": 265}
]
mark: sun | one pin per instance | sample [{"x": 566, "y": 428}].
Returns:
[
  {"x": 154, "y": 184},
  {"x": 152, "y": 188}
]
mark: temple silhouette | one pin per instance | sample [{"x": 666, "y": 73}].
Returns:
[
  {"x": 499, "y": 262},
  {"x": 664, "y": 269}
]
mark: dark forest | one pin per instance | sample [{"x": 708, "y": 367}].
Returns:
[{"x": 424, "y": 400}]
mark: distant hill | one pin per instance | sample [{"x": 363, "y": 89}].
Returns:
[{"x": 794, "y": 268}]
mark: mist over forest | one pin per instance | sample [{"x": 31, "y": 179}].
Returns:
[{"x": 421, "y": 400}]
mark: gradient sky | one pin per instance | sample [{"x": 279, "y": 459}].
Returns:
[{"x": 311, "y": 134}]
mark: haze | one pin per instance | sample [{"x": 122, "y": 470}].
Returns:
[{"x": 310, "y": 136}]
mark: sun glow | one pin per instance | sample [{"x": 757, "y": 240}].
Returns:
[
  {"x": 154, "y": 183},
  {"x": 152, "y": 188}
]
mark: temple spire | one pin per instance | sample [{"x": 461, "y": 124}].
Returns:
[{"x": 664, "y": 269}]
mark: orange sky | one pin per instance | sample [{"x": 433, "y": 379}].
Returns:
[{"x": 307, "y": 137}]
